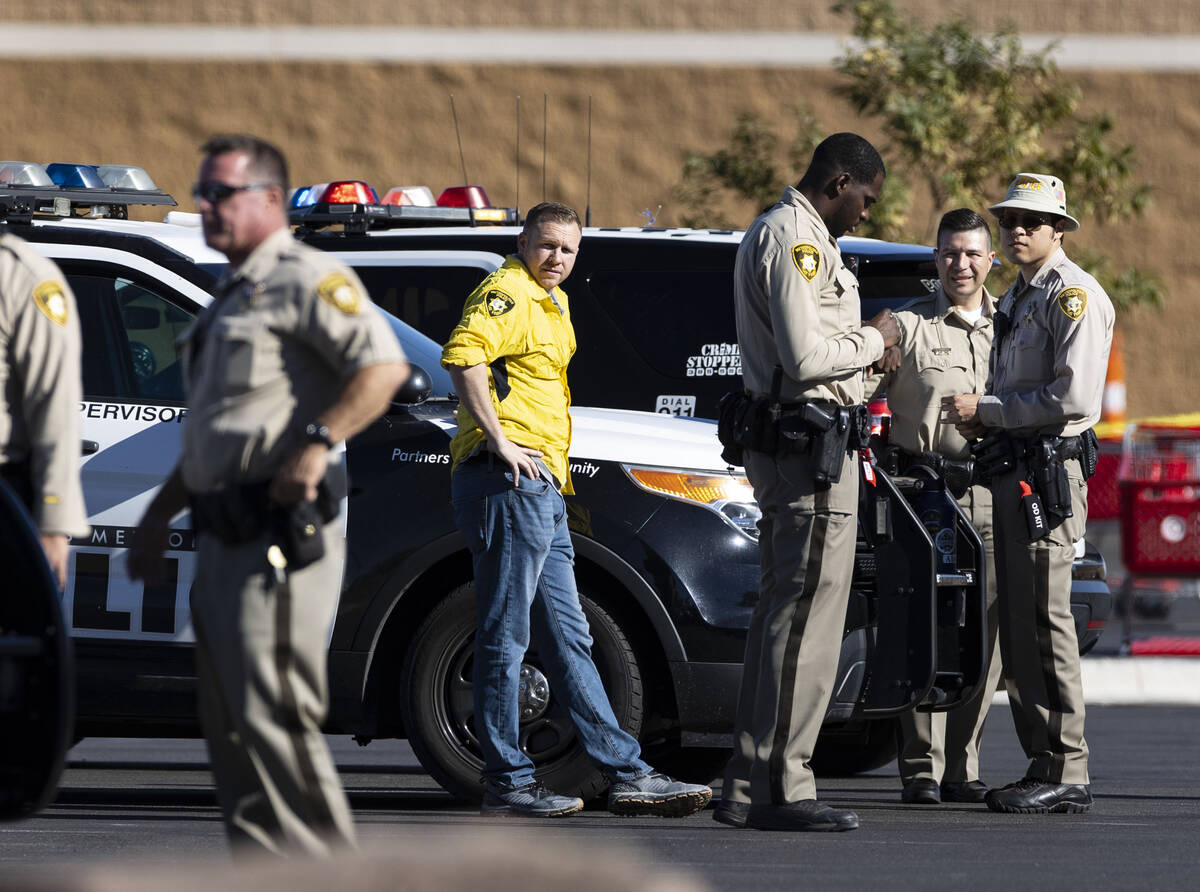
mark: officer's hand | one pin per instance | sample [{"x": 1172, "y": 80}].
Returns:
[
  {"x": 144, "y": 559},
  {"x": 886, "y": 324},
  {"x": 57, "y": 546},
  {"x": 520, "y": 459},
  {"x": 297, "y": 479},
  {"x": 962, "y": 410},
  {"x": 889, "y": 362}
]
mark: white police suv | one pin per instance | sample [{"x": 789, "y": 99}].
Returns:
[{"x": 667, "y": 556}]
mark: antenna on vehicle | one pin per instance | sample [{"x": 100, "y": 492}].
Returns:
[
  {"x": 461, "y": 158},
  {"x": 518, "y": 159},
  {"x": 545, "y": 114},
  {"x": 587, "y": 211}
]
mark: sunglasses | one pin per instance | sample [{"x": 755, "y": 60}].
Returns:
[
  {"x": 217, "y": 192},
  {"x": 1028, "y": 222}
]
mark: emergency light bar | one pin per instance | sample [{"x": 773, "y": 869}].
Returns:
[
  {"x": 412, "y": 196},
  {"x": 355, "y": 206},
  {"x": 60, "y": 189}
]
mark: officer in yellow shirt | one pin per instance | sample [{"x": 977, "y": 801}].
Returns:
[
  {"x": 1054, "y": 329},
  {"x": 944, "y": 349},
  {"x": 508, "y": 359}
]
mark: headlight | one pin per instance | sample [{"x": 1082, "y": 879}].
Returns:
[{"x": 728, "y": 495}]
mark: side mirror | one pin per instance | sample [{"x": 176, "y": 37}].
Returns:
[{"x": 415, "y": 390}]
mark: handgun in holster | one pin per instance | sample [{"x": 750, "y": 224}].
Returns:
[
  {"x": 829, "y": 433},
  {"x": 1049, "y": 476}
]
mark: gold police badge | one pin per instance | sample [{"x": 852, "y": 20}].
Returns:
[
  {"x": 51, "y": 300},
  {"x": 807, "y": 259},
  {"x": 339, "y": 291},
  {"x": 1072, "y": 301},
  {"x": 498, "y": 303}
]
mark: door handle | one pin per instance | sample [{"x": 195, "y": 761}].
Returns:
[{"x": 90, "y": 447}]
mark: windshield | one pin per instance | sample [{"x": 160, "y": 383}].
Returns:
[{"x": 419, "y": 349}]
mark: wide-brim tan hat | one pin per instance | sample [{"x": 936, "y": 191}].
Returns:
[{"x": 1037, "y": 192}]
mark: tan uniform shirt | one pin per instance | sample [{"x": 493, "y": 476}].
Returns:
[
  {"x": 1048, "y": 373},
  {"x": 41, "y": 385},
  {"x": 942, "y": 354},
  {"x": 283, "y": 335},
  {"x": 797, "y": 307}
]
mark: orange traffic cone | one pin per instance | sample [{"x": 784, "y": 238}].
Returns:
[{"x": 1113, "y": 405}]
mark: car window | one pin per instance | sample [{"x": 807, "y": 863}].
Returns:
[
  {"x": 890, "y": 284},
  {"x": 429, "y": 298},
  {"x": 679, "y": 321},
  {"x": 130, "y": 338}
]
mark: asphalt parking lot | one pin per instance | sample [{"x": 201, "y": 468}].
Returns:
[{"x": 133, "y": 807}]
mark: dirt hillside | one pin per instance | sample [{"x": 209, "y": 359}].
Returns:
[{"x": 391, "y": 124}]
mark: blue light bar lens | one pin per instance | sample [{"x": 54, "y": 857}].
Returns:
[
  {"x": 302, "y": 197},
  {"x": 75, "y": 176}
]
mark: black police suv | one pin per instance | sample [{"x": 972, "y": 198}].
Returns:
[{"x": 664, "y": 530}]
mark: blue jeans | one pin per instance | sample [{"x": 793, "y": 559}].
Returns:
[{"x": 525, "y": 588}]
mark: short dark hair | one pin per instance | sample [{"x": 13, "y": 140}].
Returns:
[
  {"x": 550, "y": 210},
  {"x": 265, "y": 159},
  {"x": 845, "y": 153},
  {"x": 962, "y": 220}
]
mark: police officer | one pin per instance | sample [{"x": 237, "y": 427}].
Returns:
[
  {"x": 508, "y": 359},
  {"x": 803, "y": 345},
  {"x": 290, "y": 359},
  {"x": 944, "y": 349},
  {"x": 1053, "y": 332},
  {"x": 39, "y": 397}
]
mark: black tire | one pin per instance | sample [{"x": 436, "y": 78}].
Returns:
[
  {"x": 437, "y": 708},
  {"x": 841, "y": 753}
]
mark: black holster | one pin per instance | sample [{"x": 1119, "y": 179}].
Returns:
[
  {"x": 1048, "y": 473},
  {"x": 832, "y": 432},
  {"x": 244, "y": 513},
  {"x": 823, "y": 429}
]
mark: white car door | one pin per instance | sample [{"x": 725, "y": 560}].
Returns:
[{"x": 131, "y": 312}]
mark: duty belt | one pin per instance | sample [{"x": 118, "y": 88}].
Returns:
[
  {"x": 822, "y": 429},
  {"x": 243, "y": 513}
]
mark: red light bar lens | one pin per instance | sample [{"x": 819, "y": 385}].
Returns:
[
  {"x": 349, "y": 192},
  {"x": 463, "y": 197}
]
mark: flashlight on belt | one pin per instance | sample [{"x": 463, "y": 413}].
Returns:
[{"x": 1035, "y": 514}]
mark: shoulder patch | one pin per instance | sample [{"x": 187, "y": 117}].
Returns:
[
  {"x": 336, "y": 289},
  {"x": 498, "y": 303},
  {"x": 807, "y": 259},
  {"x": 51, "y": 300},
  {"x": 1072, "y": 301}
]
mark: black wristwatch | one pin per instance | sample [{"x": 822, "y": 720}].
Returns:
[{"x": 318, "y": 433}]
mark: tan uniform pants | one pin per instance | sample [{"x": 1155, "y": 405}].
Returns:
[
  {"x": 260, "y": 661},
  {"x": 807, "y": 539},
  {"x": 944, "y": 746},
  {"x": 1037, "y": 632}
]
